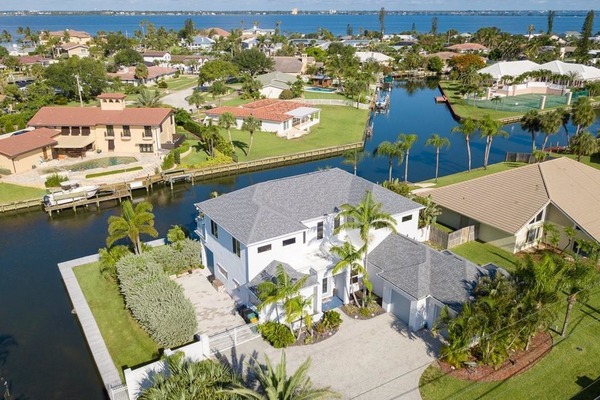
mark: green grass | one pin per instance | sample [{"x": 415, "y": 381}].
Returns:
[
  {"x": 572, "y": 365},
  {"x": 483, "y": 253},
  {"x": 183, "y": 82},
  {"x": 323, "y": 95},
  {"x": 127, "y": 343},
  {"x": 475, "y": 173},
  {"x": 10, "y": 193},
  {"x": 339, "y": 125},
  {"x": 116, "y": 171},
  {"x": 236, "y": 101}
]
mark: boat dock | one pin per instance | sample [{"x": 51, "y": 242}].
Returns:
[
  {"x": 105, "y": 193},
  {"x": 441, "y": 99}
]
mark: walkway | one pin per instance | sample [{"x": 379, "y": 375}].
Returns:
[{"x": 374, "y": 359}]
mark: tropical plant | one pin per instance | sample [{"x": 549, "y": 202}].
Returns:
[
  {"x": 354, "y": 157},
  {"x": 251, "y": 124},
  {"x": 550, "y": 125},
  {"x": 397, "y": 186},
  {"x": 406, "y": 142},
  {"x": 131, "y": 224},
  {"x": 349, "y": 259},
  {"x": 531, "y": 123},
  {"x": 196, "y": 99},
  {"x": 583, "y": 144},
  {"x": 148, "y": 98},
  {"x": 438, "y": 142},
  {"x": 583, "y": 114},
  {"x": 275, "y": 384},
  {"x": 141, "y": 72},
  {"x": 390, "y": 150},
  {"x": 429, "y": 214},
  {"x": 466, "y": 127},
  {"x": 277, "y": 334},
  {"x": 365, "y": 216},
  {"x": 226, "y": 121},
  {"x": 175, "y": 234},
  {"x": 489, "y": 129},
  {"x": 565, "y": 117},
  {"x": 109, "y": 256}
]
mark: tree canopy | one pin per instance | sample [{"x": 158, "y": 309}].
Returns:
[
  {"x": 92, "y": 76},
  {"x": 253, "y": 61}
]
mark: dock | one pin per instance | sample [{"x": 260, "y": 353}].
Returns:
[
  {"x": 441, "y": 99},
  {"x": 105, "y": 193}
]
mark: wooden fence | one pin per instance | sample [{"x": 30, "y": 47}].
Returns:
[{"x": 448, "y": 240}]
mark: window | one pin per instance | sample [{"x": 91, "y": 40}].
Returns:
[
  {"x": 324, "y": 285},
  {"x": 110, "y": 131},
  {"x": 537, "y": 218},
  {"x": 147, "y": 131},
  {"x": 236, "y": 283},
  {"x": 214, "y": 229},
  {"x": 320, "y": 230},
  {"x": 287, "y": 242},
  {"x": 126, "y": 132},
  {"x": 336, "y": 223},
  {"x": 235, "y": 244},
  {"x": 532, "y": 235},
  {"x": 266, "y": 247},
  {"x": 222, "y": 271},
  {"x": 146, "y": 148},
  {"x": 407, "y": 218}
]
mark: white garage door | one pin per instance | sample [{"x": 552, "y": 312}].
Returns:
[{"x": 400, "y": 306}]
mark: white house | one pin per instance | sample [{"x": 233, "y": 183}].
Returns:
[
  {"x": 162, "y": 58},
  {"x": 273, "y": 83},
  {"x": 368, "y": 56},
  {"x": 199, "y": 42},
  {"x": 290, "y": 222}
]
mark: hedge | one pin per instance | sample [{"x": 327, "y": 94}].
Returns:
[
  {"x": 156, "y": 302},
  {"x": 178, "y": 257}
]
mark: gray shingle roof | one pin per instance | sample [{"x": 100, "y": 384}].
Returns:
[
  {"x": 278, "y": 207},
  {"x": 420, "y": 271},
  {"x": 269, "y": 273}
]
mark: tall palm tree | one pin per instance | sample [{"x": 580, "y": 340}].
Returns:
[
  {"x": 365, "y": 216},
  {"x": 490, "y": 128},
  {"x": 131, "y": 224},
  {"x": 565, "y": 118},
  {"x": 466, "y": 127},
  {"x": 550, "y": 125},
  {"x": 349, "y": 258},
  {"x": 583, "y": 144},
  {"x": 406, "y": 142},
  {"x": 438, "y": 143},
  {"x": 148, "y": 98},
  {"x": 141, "y": 72},
  {"x": 391, "y": 151},
  {"x": 196, "y": 99},
  {"x": 226, "y": 121},
  {"x": 251, "y": 124},
  {"x": 583, "y": 114},
  {"x": 531, "y": 123},
  {"x": 275, "y": 384},
  {"x": 353, "y": 157}
]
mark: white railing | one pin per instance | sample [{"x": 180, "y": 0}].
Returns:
[{"x": 233, "y": 337}]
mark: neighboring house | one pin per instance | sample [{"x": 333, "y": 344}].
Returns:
[
  {"x": 157, "y": 57},
  {"x": 199, "y": 42},
  {"x": 249, "y": 43},
  {"x": 110, "y": 127},
  {"x": 582, "y": 73},
  {"x": 79, "y": 37},
  {"x": 286, "y": 118},
  {"x": 466, "y": 48},
  {"x": 356, "y": 43},
  {"x": 367, "y": 56},
  {"x": 290, "y": 222},
  {"x": 215, "y": 33},
  {"x": 16, "y": 50},
  {"x": 309, "y": 42},
  {"x": 32, "y": 60},
  {"x": 512, "y": 69},
  {"x": 24, "y": 150},
  {"x": 292, "y": 65},
  {"x": 273, "y": 83},
  {"x": 74, "y": 49},
  {"x": 155, "y": 73},
  {"x": 256, "y": 31},
  {"x": 508, "y": 209},
  {"x": 188, "y": 64}
]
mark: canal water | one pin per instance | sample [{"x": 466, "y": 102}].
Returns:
[{"x": 43, "y": 353}]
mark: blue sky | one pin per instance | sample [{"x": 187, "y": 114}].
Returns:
[{"x": 266, "y": 5}]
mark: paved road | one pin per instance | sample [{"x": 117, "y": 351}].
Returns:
[
  {"x": 374, "y": 359},
  {"x": 178, "y": 99}
]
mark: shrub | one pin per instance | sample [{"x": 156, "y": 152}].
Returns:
[
  {"x": 168, "y": 162},
  {"x": 178, "y": 257},
  {"x": 218, "y": 159},
  {"x": 331, "y": 320},
  {"x": 108, "y": 260},
  {"x": 193, "y": 127},
  {"x": 286, "y": 94},
  {"x": 156, "y": 302},
  {"x": 398, "y": 187},
  {"x": 162, "y": 84},
  {"x": 54, "y": 180},
  {"x": 177, "y": 156},
  {"x": 277, "y": 334}
]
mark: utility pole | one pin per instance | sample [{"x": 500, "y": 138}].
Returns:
[{"x": 79, "y": 90}]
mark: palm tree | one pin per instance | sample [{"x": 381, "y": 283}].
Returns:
[
  {"x": 349, "y": 258},
  {"x": 148, "y": 98},
  {"x": 466, "y": 127},
  {"x": 406, "y": 142},
  {"x": 583, "y": 114},
  {"x": 391, "y": 151},
  {"x": 365, "y": 216},
  {"x": 196, "y": 99},
  {"x": 226, "y": 121},
  {"x": 489, "y": 129},
  {"x": 131, "y": 224},
  {"x": 438, "y": 143},
  {"x": 550, "y": 125},
  {"x": 531, "y": 123},
  {"x": 565, "y": 118},
  {"x": 577, "y": 280},
  {"x": 218, "y": 88},
  {"x": 251, "y": 124},
  {"x": 583, "y": 144},
  {"x": 275, "y": 384},
  {"x": 141, "y": 72},
  {"x": 282, "y": 289},
  {"x": 210, "y": 135}
]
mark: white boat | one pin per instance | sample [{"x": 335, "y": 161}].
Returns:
[{"x": 71, "y": 195}]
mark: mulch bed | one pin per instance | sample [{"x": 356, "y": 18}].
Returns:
[
  {"x": 316, "y": 338},
  {"x": 519, "y": 362},
  {"x": 354, "y": 311}
]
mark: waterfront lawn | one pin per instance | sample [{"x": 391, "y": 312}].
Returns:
[
  {"x": 10, "y": 193},
  {"x": 127, "y": 343},
  {"x": 475, "y": 173},
  {"x": 567, "y": 372},
  {"x": 234, "y": 102},
  {"x": 323, "y": 95},
  {"x": 483, "y": 253}
]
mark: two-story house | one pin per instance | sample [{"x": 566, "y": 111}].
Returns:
[
  {"x": 110, "y": 127},
  {"x": 290, "y": 222}
]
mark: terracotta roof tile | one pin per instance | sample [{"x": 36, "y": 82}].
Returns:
[
  {"x": 25, "y": 142},
  {"x": 92, "y": 116},
  {"x": 266, "y": 109},
  {"x": 153, "y": 72}
]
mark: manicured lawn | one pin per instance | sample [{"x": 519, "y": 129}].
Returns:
[
  {"x": 10, "y": 193},
  {"x": 236, "y": 101},
  {"x": 475, "y": 173},
  {"x": 324, "y": 95},
  {"x": 339, "y": 125},
  {"x": 483, "y": 253},
  {"x": 567, "y": 372},
  {"x": 127, "y": 343},
  {"x": 183, "y": 82}
]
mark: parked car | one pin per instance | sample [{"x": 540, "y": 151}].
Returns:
[{"x": 248, "y": 314}]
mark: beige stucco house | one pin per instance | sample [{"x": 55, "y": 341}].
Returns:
[
  {"x": 24, "y": 150},
  {"x": 509, "y": 208},
  {"x": 74, "y": 36},
  {"x": 75, "y": 49}
]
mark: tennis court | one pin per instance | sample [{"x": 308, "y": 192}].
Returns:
[{"x": 522, "y": 103}]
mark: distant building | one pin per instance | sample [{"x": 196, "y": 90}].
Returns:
[
  {"x": 155, "y": 73},
  {"x": 274, "y": 83},
  {"x": 157, "y": 57},
  {"x": 293, "y": 65},
  {"x": 465, "y": 48},
  {"x": 367, "y": 56},
  {"x": 72, "y": 36},
  {"x": 74, "y": 49},
  {"x": 199, "y": 42}
]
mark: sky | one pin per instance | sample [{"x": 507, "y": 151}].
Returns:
[{"x": 270, "y": 5}]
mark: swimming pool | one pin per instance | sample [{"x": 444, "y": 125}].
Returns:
[
  {"x": 318, "y": 89},
  {"x": 97, "y": 163}
]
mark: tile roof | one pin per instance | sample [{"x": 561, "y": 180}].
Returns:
[
  {"x": 29, "y": 60},
  {"x": 93, "y": 116},
  {"x": 70, "y": 46},
  {"x": 270, "y": 271},
  {"x": 154, "y": 53},
  {"x": 23, "y": 143},
  {"x": 275, "y": 208},
  {"x": 72, "y": 33},
  {"x": 217, "y": 31},
  {"x": 467, "y": 46},
  {"x": 266, "y": 110},
  {"x": 508, "y": 200},
  {"x": 290, "y": 65},
  {"x": 421, "y": 271},
  {"x": 154, "y": 71}
]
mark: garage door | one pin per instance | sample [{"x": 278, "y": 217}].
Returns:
[{"x": 400, "y": 306}]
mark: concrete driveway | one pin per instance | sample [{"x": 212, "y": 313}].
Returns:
[
  {"x": 373, "y": 359},
  {"x": 178, "y": 99}
]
